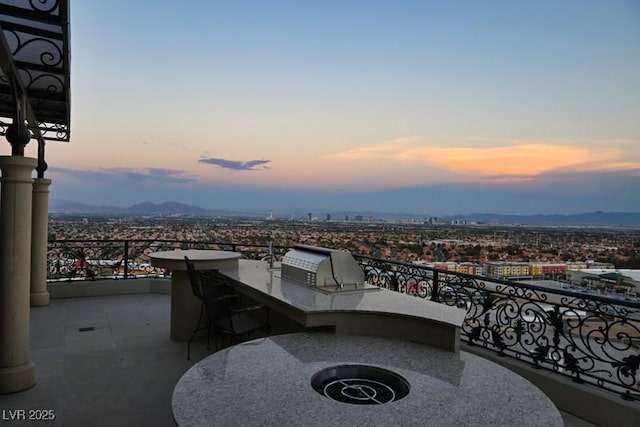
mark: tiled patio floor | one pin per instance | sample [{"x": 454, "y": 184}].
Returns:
[{"x": 121, "y": 373}]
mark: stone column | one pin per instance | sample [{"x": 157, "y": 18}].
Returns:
[
  {"x": 16, "y": 192},
  {"x": 39, "y": 242}
]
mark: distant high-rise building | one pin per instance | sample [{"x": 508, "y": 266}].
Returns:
[
  {"x": 358, "y": 217},
  {"x": 309, "y": 215},
  {"x": 328, "y": 217},
  {"x": 346, "y": 217}
]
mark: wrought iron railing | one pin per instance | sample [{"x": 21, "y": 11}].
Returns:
[
  {"x": 590, "y": 338},
  {"x": 92, "y": 259},
  {"x": 587, "y": 337}
]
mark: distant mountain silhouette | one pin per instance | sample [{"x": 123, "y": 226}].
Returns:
[
  {"x": 145, "y": 208},
  {"x": 595, "y": 219},
  {"x": 66, "y": 207},
  {"x": 168, "y": 208}
]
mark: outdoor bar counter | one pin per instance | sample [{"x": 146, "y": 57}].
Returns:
[
  {"x": 184, "y": 305},
  {"x": 358, "y": 355},
  {"x": 367, "y": 310}
]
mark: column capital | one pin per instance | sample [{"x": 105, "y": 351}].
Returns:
[
  {"x": 41, "y": 185},
  {"x": 17, "y": 169},
  {"x": 18, "y": 161}
]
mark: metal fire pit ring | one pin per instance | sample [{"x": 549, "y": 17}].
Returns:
[{"x": 360, "y": 384}]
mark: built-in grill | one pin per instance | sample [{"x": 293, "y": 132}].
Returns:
[{"x": 322, "y": 268}]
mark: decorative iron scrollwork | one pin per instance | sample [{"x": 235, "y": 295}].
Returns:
[
  {"x": 51, "y": 131},
  {"x": 46, "y": 6},
  {"x": 50, "y": 53},
  {"x": 591, "y": 339}
]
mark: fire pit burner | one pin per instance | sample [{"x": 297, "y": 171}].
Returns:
[{"x": 360, "y": 384}]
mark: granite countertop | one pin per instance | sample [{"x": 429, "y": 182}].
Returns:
[
  {"x": 268, "y": 382},
  {"x": 257, "y": 276},
  {"x": 202, "y": 258}
]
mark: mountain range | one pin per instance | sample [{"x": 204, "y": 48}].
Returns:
[
  {"x": 595, "y": 219},
  {"x": 144, "y": 208}
]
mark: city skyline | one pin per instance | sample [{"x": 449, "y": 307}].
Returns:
[{"x": 420, "y": 107}]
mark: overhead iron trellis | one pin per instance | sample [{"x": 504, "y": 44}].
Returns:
[{"x": 35, "y": 47}]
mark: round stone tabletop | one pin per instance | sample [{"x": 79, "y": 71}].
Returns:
[
  {"x": 268, "y": 382},
  {"x": 202, "y": 258}
]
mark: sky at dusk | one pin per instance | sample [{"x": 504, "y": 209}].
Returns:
[{"x": 425, "y": 107}]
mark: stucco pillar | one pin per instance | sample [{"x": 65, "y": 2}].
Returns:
[
  {"x": 16, "y": 192},
  {"x": 39, "y": 241}
]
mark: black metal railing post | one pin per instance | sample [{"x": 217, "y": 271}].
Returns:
[
  {"x": 395, "y": 283},
  {"x": 435, "y": 288},
  {"x": 126, "y": 259}
]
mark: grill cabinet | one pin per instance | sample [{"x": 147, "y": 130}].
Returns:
[{"x": 322, "y": 268}]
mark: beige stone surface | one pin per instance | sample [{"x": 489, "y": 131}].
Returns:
[{"x": 16, "y": 370}]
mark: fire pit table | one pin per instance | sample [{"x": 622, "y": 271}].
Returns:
[{"x": 329, "y": 379}]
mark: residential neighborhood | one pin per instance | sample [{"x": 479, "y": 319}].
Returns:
[{"x": 602, "y": 259}]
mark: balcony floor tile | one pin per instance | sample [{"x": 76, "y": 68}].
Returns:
[{"x": 121, "y": 373}]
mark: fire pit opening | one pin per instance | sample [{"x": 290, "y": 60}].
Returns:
[{"x": 360, "y": 384}]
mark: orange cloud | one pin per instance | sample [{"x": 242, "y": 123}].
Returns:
[
  {"x": 527, "y": 159},
  {"x": 506, "y": 162}
]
